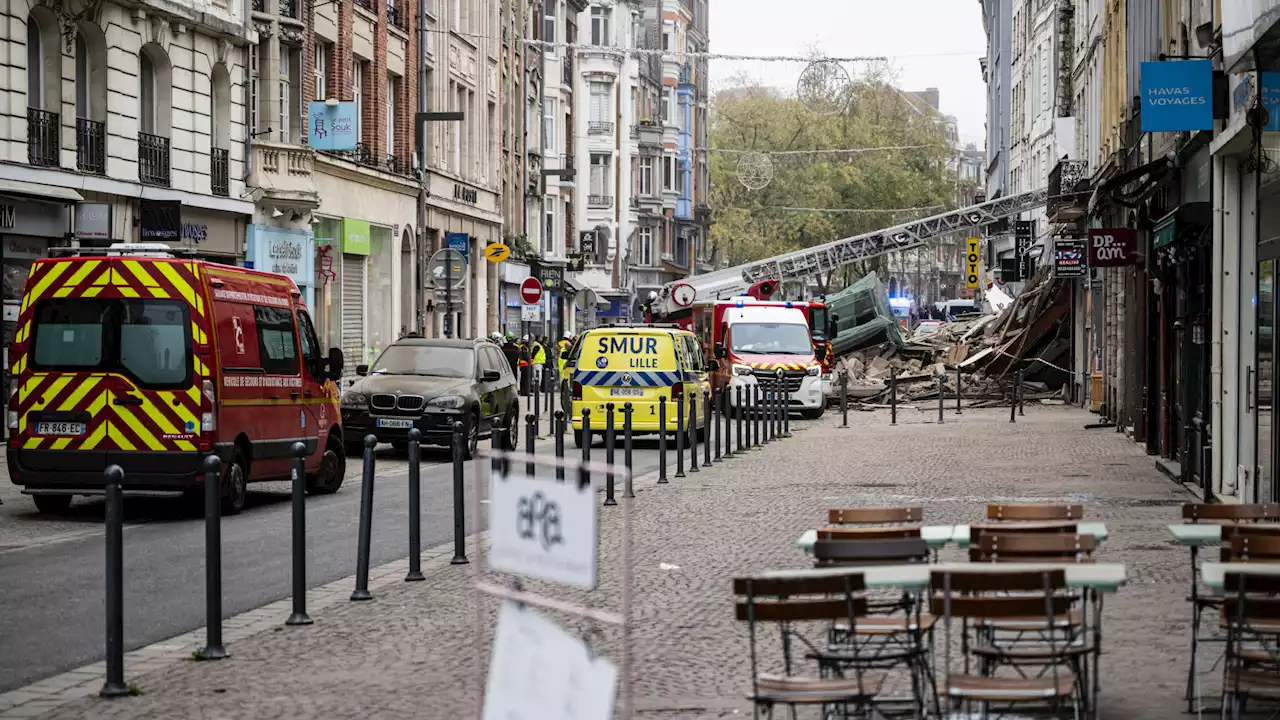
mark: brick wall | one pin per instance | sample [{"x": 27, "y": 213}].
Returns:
[
  {"x": 375, "y": 87},
  {"x": 407, "y": 102},
  {"x": 340, "y": 70}
]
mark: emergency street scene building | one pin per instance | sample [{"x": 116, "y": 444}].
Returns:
[{"x": 556, "y": 358}]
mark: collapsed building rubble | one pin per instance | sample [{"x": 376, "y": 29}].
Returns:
[{"x": 1030, "y": 334}]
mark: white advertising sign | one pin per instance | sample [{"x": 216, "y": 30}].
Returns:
[
  {"x": 542, "y": 529},
  {"x": 539, "y": 672}
]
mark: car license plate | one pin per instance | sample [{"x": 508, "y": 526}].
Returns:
[
  {"x": 393, "y": 423},
  {"x": 59, "y": 428},
  {"x": 626, "y": 392}
]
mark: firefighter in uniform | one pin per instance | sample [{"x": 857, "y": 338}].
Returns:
[
  {"x": 525, "y": 374},
  {"x": 562, "y": 352}
]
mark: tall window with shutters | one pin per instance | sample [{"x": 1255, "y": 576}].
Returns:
[{"x": 600, "y": 92}]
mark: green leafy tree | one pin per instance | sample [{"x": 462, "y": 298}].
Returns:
[{"x": 753, "y": 224}]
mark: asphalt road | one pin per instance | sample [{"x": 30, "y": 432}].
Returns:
[{"x": 52, "y": 595}]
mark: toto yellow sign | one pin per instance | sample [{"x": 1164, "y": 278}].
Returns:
[
  {"x": 496, "y": 252},
  {"x": 972, "y": 267}
]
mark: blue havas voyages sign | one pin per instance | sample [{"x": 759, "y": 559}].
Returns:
[{"x": 1177, "y": 95}]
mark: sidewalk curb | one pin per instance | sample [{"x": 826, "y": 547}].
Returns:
[{"x": 50, "y": 693}]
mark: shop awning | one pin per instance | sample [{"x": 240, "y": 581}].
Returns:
[
  {"x": 30, "y": 189},
  {"x": 1187, "y": 219}
]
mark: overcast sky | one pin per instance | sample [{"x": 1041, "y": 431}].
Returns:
[{"x": 930, "y": 43}]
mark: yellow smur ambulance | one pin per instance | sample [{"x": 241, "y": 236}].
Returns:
[{"x": 643, "y": 365}]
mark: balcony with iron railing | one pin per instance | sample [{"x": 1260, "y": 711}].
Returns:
[
  {"x": 566, "y": 70},
  {"x": 398, "y": 17},
  {"x": 600, "y": 127},
  {"x": 91, "y": 146},
  {"x": 599, "y": 201},
  {"x": 43, "y": 129},
  {"x": 153, "y": 159},
  {"x": 220, "y": 171},
  {"x": 1068, "y": 190},
  {"x": 366, "y": 4}
]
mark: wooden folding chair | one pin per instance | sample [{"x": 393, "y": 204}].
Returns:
[
  {"x": 789, "y": 601},
  {"x": 995, "y": 546},
  {"x": 986, "y": 595},
  {"x": 869, "y": 533},
  {"x": 1250, "y": 519},
  {"x": 1251, "y": 614},
  {"x": 1001, "y": 512},
  {"x": 1025, "y": 528},
  {"x": 875, "y": 516}
]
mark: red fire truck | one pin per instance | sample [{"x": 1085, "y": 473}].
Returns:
[{"x": 759, "y": 342}]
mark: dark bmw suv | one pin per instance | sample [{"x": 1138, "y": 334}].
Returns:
[{"x": 428, "y": 384}]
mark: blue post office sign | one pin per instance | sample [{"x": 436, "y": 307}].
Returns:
[
  {"x": 1177, "y": 95},
  {"x": 332, "y": 127}
]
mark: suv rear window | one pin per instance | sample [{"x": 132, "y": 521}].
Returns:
[{"x": 147, "y": 340}]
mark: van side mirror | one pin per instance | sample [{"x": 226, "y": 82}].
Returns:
[
  {"x": 362, "y": 370},
  {"x": 712, "y": 366},
  {"x": 335, "y": 363},
  {"x": 490, "y": 376},
  {"x": 832, "y": 327},
  {"x": 720, "y": 351}
]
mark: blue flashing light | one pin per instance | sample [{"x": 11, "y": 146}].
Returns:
[
  {"x": 740, "y": 303},
  {"x": 788, "y": 303}
]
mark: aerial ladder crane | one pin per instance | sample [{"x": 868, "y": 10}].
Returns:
[{"x": 762, "y": 278}]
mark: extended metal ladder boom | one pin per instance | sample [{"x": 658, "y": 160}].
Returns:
[{"x": 735, "y": 281}]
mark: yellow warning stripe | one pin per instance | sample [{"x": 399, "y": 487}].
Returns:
[
  {"x": 61, "y": 443},
  {"x": 91, "y": 292},
  {"x": 128, "y": 292},
  {"x": 96, "y": 436},
  {"x": 33, "y": 443},
  {"x": 181, "y": 285},
  {"x": 76, "y": 397},
  {"x": 117, "y": 437},
  {"x": 54, "y": 389},
  {"x": 143, "y": 276},
  {"x": 138, "y": 429},
  {"x": 100, "y": 402},
  {"x": 77, "y": 278},
  {"x": 55, "y": 270}
]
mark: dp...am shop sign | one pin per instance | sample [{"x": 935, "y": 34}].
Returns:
[{"x": 1177, "y": 95}]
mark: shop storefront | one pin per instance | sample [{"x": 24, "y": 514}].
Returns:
[
  {"x": 287, "y": 252},
  {"x": 472, "y": 214},
  {"x": 27, "y": 229},
  {"x": 212, "y": 236}
]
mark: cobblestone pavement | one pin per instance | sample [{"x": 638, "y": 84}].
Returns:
[{"x": 418, "y": 650}]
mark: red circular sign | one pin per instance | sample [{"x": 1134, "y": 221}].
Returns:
[{"x": 530, "y": 291}]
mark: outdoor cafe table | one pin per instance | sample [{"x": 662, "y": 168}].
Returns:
[
  {"x": 1214, "y": 573},
  {"x": 937, "y": 536},
  {"x": 1099, "y": 578}
]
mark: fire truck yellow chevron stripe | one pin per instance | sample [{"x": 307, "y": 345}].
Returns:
[
  {"x": 77, "y": 278},
  {"x": 32, "y": 443},
  {"x": 74, "y": 399},
  {"x": 98, "y": 403},
  {"x": 182, "y": 286},
  {"x": 118, "y": 437},
  {"x": 128, "y": 292},
  {"x": 96, "y": 436},
  {"x": 61, "y": 443},
  {"x": 91, "y": 292},
  {"x": 144, "y": 277},
  {"x": 53, "y": 273},
  {"x": 52, "y": 392},
  {"x": 141, "y": 431}
]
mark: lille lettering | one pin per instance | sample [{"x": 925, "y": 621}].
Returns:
[{"x": 466, "y": 194}]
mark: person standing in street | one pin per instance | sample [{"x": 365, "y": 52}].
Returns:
[
  {"x": 538, "y": 357},
  {"x": 512, "y": 353}
]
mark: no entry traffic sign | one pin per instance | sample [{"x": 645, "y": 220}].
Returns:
[{"x": 530, "y": 291}]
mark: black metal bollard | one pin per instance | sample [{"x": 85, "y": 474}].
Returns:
[
  {"x": 893, "y": 396},
  {"x": 459, "y": 498},
  {"x": 1013, "y": 403},
  {"x": 753, "y": 419},
  {"x": 415, "y": 503},
  {"x": 739, "y": 410},
  {"x": 537, "y": 406},
  {"x": 942, "y": 398},
  {"x": 531, "y": 429},
  {"x": 844, "y": 399},
  {"x": 786, "y": 413},
  {"x": 1020, "y": 391},
  {"x": 768, "y": 414},
  {"x": 213, "y": 649},
  {"x": 114, "y": 685},
  {"x": 693, "y": 432},
  {"x": 627, "y": 410},
  {"x": 551, "y": 402},
  {"x": 585, "y": 476},
  {"x": 662, "y": 441},
  {"x": 299, "y": 477},
  {"x": 717, "y": 397},
  {"x": 608, "y": 454},
  {"x": 959, "y": 386},
  {"x": 680, "y": 418},
  {"x": 708, "y": 410},
  {"x": 558, "y": 418},
  {"x": 361, "y": 593},
  {"x": 727, "y": 415}
]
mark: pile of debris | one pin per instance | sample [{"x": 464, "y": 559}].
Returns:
[{"x": 987, "y": 350}]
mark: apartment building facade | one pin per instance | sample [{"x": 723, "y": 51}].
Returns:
[{"x": 124, "y": 124}]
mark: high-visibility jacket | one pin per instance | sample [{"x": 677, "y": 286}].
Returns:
[
  {"x": 524, "y": 355},
  {"x": 562, "y": 353},
  {"x": 539, "y": 354}
]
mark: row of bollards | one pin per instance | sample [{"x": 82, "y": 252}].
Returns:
[{"x": 759, "y": 412}]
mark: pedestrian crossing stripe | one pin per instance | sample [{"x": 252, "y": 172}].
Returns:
[{"x": 623, "y": 378}]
